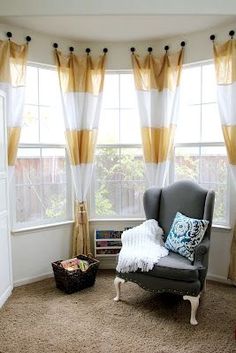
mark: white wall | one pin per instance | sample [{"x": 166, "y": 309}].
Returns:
[{"x": 33, "y": 252}]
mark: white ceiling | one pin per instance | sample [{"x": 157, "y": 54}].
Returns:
[{"x": 117, "y": 28}]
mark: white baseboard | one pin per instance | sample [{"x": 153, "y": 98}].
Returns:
[
  {"x": 29, "y": 280},
  {"x": 5, "y": 295},
  {"x": 220, "y": 279}
]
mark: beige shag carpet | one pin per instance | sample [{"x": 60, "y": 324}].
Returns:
[{"x": 38, "y": 318}]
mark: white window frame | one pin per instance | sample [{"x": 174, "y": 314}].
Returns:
[
  {"x": 92, "y": 205},
  {"x": 16, "y": 226},
  {"x": 199, "y": 145}
]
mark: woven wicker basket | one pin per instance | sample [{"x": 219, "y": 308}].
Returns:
[{"x": 73, "y": 281}]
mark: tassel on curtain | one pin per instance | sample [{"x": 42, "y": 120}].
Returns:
[
  {"x": 157, "y": 84},
  {"x": 81, "y": 81},
  {"x": 13, "y": 59},
  {"x": 225, "y": 66}
]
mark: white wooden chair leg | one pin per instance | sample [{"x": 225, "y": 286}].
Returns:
[
  {"x": 194, "y": 306},
  {"x": 117, "y": 283}
]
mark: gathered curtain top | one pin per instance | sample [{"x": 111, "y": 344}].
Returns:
[
  {"x": 13, "y": 58},
  {"x": 157, "y": 73},
  {"x": 225, "y": 62},
  {"x": 81, "y": 73}
]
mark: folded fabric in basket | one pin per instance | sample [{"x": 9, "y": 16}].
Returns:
[{"x": 75, "y": 264}]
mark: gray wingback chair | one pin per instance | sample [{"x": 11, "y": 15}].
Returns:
[{"x": 175, "y": 273}]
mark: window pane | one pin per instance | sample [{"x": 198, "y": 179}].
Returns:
[
  {"x": 30, "y": 127},
  {"x": 208, "y": 83},
  {"x": 41, "y": 185},
  {"x": 31, "y": 92},
  {"x": 119, "y": 176},
  {"x": 108, "y": 132},
  {"x": 187, "y": 163},
  {"x": 54, "y": 197},
  {"x": 191, "y": 85},
  {"x": 28, "y": 170},
  {"x": 51, "y": 126},
  {"x": 129, "y": 126},
  {"x": 213, "y": 175},
  {"x": 211, "y": 127},
  {"x": 48, "y": 87},
  {"x": 127, "y": 91},
  {"x": 111, "y": 91},
  {"x": 188, "y": 129},
  {"x": 29, "y": 203},
  {"x": 213, "y": 165}
]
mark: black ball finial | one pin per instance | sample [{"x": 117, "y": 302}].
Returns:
[
  {"x": 9, "y": 35},
  {"x": 88, "y": 50},
  {"x": 55, "y": 45},
  {"x": 231, "y": 33},
  {"x": 105, "y": 50},
  {"x": 71, "y": 49},
  {"x": 28, "y": 39},
  {"x": 182, "y": 44},
  {"x": 149, "y": 49},
  {"x": 132, "y": 50},
  {"x": 166, "y": 47},
  {"x": 212, "y": 37}
]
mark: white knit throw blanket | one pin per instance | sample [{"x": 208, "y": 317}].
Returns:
[{"x": 142, "y": 247}]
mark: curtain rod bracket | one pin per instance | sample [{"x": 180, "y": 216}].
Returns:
[
  {"x": 212, "y": 37},
  {"x": 9, "y": 35},
  {"x": 166, "y": 48},
  {"x": 231, "y": 33}
]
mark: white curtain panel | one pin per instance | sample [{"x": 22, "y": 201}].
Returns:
[{"x": 157, "y": 84}]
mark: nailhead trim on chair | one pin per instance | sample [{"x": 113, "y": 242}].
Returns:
[{"x": 164, "y": 290}]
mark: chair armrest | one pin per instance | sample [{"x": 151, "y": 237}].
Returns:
[{"x": 201, "y": 253}]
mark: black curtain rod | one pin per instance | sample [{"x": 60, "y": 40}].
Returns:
[
  {"x": 149, "y": 49},
  {"x": 231, "y": 34},
  {"x": 9, "y": 36},
  {"x": 71, "y": 49}
]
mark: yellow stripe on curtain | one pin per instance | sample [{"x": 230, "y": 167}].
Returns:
[
  {"x": 81, "y": 145},
  {"x": 13, "y": 59},
  {"x": 157, "y": 143},
  {"x": 157, "y": 72},
  {"x": 13, "y": 140},
  {"x": 225, "y": 62},
  {"x": 80, "y": 74},
  {"x": 229, "y": 133}
]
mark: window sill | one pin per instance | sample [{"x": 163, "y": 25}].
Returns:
[
  {"x": 102, "y": 220},
  {"x": 41, "y": 227},
  {"x": 123, "y": 220}
]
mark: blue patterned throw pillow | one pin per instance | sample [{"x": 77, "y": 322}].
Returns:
[{"x": 185, "y": 234}]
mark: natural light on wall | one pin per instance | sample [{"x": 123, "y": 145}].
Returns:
[{"x": 42, "y": 179}]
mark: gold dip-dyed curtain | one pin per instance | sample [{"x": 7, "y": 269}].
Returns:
[
  {"x": 157, "y": 84},
  {"x": 81, "y": 81},
  {"x": 13, "y": 59},
  {"x": 225, "y": 66}
]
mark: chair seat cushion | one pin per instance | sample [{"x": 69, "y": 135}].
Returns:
[{"x": 175, "y": 266}]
